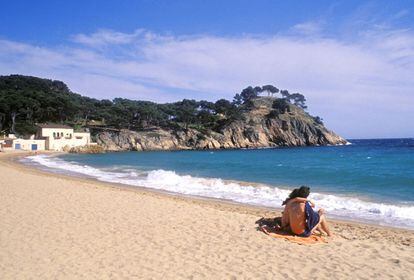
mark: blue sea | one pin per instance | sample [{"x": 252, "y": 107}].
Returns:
[{"x": 368, "y": 180}]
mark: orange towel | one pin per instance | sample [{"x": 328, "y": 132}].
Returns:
[{"x": 313, "y": 239}]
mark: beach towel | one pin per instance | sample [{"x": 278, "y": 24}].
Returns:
[
  {"x": 313, "y": 239},
  {"x": 271, "y": 227}
]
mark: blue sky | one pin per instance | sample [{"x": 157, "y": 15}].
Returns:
[{"x": 353, "y": 60}]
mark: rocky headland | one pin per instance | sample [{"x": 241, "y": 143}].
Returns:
[{"x": 262, "y": 126}]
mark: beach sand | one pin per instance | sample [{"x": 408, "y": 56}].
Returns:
[{"x": 57, "y": 227}]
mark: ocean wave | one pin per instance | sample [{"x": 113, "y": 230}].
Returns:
[
  {"x": 248, "y": 193},
  {"x": 341, "y": 144}
]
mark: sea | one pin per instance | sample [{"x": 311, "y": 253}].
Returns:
[{"x": 370, "y": 180}]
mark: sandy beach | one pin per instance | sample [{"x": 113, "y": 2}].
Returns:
[{"x": 58, "y": 227}]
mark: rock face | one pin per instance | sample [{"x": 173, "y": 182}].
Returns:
[
  {"x": 89, "y": 149},
  {"x": 263, "y": 126}
]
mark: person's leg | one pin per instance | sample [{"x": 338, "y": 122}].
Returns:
[
  {"x": 323, "y": 224},
  {"x": 317, "y": 230},
  {"x": 317, "y": 227}
]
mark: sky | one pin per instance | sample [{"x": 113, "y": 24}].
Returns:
[{"x": 353, "y": 60}]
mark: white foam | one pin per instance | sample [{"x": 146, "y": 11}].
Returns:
[
  {"x": 340, "y": 206},
  {"x": 341, "y": 144}
]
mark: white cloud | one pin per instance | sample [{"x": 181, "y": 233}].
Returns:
[
  {"x": 308, "y": 28},
  {"x": 105, "y": 37},
  {"x": 356, "y": 86}
]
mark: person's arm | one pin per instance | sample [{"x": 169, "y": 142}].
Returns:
[
  {"x": 303, "y": 200},
  {"x": 312, "y": 204},
  {"x": 298, "y": 199}
]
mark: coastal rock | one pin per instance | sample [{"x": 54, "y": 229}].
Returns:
[
  {"x": 262, "y": 126},
  {"x": 89, "y": 149}
]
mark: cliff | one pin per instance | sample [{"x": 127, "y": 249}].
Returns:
[{"x": 264, "y": 123}]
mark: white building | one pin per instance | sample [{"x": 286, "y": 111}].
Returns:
[
  {"x": 13, "y": 143},
  {"x": 53, "y": 137},
  {"x": 59, "y": 137},
  {"x": 30, "y": 144}
]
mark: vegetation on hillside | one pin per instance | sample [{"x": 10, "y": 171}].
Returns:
[{"x": 25, "y": 101}]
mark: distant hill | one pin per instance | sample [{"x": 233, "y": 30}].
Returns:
[{"x": 121, "y": 124}]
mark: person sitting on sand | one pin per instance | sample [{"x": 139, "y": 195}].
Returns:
[{"x": 299, "y": 217}]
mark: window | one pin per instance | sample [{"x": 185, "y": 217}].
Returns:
[{"x": 54, "y": 134}]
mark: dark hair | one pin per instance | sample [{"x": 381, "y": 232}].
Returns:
[{"x": 303, "y": 191}]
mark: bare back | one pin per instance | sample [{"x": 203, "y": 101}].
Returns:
[{"x": 296, "y": 215}]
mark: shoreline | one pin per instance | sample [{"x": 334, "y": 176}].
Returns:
[
  {"x": 12, "y": 161},
  {"x": 59, "y": 226},
  {"x": 266, "y": 210},
  {"x": 230, "y": 205}
]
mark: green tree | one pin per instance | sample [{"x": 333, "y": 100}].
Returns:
[
  {"x": 237, "y": 100},
  {"x": 298, "y": 99},
  {"x": 248, "y": 94},
  {"x": 25, "y": 101},
  {"x": 285, "y": 93},
  {"x": 271, "y": 90},
  {"x": 281, "y": 105},
  {"x": 186, "y": 111}
]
